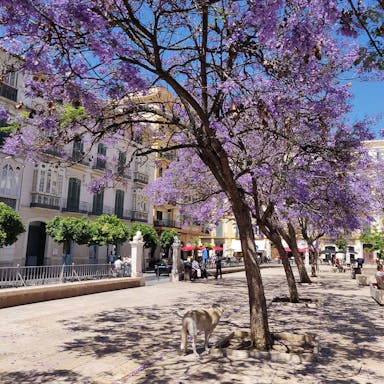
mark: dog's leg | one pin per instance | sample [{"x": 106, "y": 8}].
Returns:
[
  {"x": 192, "y": 330},
  {"x": 207, "y": 334},
  {"x": 183, "y": 344},
  {"x": 194, "y": 337}
]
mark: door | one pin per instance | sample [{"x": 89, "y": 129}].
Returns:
[{"x": 36, "y": 244}]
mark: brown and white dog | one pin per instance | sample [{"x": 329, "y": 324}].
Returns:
[{"x": 196, "y": 320}]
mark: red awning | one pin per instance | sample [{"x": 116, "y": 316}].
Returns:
[
  {"x": 301, "y": 250},
  {"x": 200, "y": 248},
  {"x": 189, "y": 248}
]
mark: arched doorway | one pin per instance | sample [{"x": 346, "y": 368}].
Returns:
[{"x": 36, "y": 244}]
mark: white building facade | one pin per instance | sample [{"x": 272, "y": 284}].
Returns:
[{"x": 41, "y": 191}]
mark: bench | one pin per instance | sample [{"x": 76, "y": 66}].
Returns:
[
  {"x": 380, "y": 282},
  {"x": 377, "y": 294},
  {"x": 377, "y": 290}
]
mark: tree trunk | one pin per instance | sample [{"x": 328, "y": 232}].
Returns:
[
  {"x": 293, "y": 293},
  {"x": 259, "y": 329},
  {"x": 303, "y": 274},
  {"x": 314, "y": 262},
  {"x": 292, "y": 242}
]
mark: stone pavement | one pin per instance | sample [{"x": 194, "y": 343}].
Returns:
[{"x": 132, "y": 335}]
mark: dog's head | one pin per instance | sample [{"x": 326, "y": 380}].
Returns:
[{"x": 220, "y": 308}]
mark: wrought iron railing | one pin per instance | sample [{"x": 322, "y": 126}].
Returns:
[
  {"x": 8, "y": 92},
  {"x": 167, "y": 223},
  {"x": 44, "y": 200},
  {"x": 53, "y": 274},
  {"x": 140, "y": 177}
]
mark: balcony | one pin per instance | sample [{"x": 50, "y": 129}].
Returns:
[
  {"x": 79, "y": 159},
  {"x": 42, "y": 200},
  {"x": 124, "y": 215},
  {"x": 83, "y": 207},
  {"x": 167, "y": 223},
  {"x": 54, "y": 151},
  {"x": 8, "y": 92},
  {"x": 124, "y": 173},
  {"x": 139, "y": 216},
  {"x": 99, "y": 164},
  {"x": 139, "y": 177}
]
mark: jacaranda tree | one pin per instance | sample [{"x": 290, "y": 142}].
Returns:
[{"x": 238, "y": 73}]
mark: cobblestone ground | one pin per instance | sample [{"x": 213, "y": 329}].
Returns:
[{"x": 132, "y": 336}]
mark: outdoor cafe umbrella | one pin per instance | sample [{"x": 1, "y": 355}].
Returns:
[
  {"x": 188, "y": 248},
  {"x": 200, "y": 248}
]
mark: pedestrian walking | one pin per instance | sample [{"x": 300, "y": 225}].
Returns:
[
  {"x": 218, "y": 261},
  {"x": 205, "y": 255}
]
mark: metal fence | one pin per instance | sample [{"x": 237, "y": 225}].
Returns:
[{"x": 54, "y": 274}]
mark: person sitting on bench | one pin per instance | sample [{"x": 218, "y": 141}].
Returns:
[{"x": 380, "y": 276}]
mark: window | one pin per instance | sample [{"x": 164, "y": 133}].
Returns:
[
  {"x": 77, "y": 150},
  {"x": 47, "y": 179},
  {"x": 121, "y": 163},
  {"x": 11, "y": 79},
  {"x": 73, "y": 199},
  {"x": 98, "y": 202},
  {"x": 3, "y": 133},
  {"x": 139, "y": 201},
  {"x": 9, "y": 202},
  {"x": 119, "y": 203},
  {"x": 8, "y": 86},
  {"x": 101, "y": 156},
  {"x": 219, "y": 230},
  {"x": 10, "y": 181}
]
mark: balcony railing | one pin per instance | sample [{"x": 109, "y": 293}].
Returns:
[
  {"x": 125, "y": 173},
  {"x": 167, "y": 223},
  {"x": 80, "y": 159},
  {"x": 54, "y": 151},
  {"x": 99, "y": 164},
  {"x": 139, "y": 216},
  {"x": 139, "y": 177},
  {"x": 43, "y": 200},
  {"x": 8, "y": 92},
  {"x": 125, "y": 214},
  {"x": 82, "y": 207}
]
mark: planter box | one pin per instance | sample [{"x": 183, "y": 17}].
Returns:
[
  {"x": 288, "y": 347},
  {"x": 377, "y": 294}
]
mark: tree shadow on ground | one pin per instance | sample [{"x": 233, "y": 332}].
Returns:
[
  {"x": 150, "y": 336},
  {"x": 36, "y": 377}
]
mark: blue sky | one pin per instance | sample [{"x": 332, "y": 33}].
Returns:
[{"x": 368, "y": 100}]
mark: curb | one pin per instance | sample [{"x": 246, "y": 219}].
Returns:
[{"x": 18, "y": 296}]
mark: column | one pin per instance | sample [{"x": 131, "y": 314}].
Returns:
[
  {"x": 137, "y": 247},
  {"x": 176, "y": 261}
]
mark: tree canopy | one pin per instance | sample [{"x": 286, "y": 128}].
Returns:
[
  {"x": 11, "y": 225},
  {"x": 374, "y": 240},
  {"x": 167, "y": 238},
  {"x": 108, "y": 229},
  {"x": 66, "y": 229},
  {"x": 149, "y": 234}
]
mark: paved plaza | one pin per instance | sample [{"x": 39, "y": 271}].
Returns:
[{"x": 132, "y": 335}]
